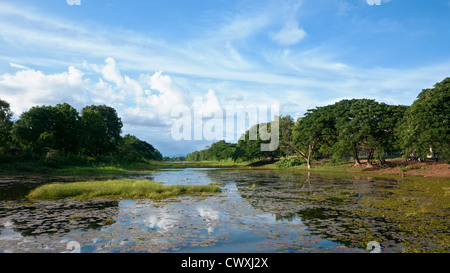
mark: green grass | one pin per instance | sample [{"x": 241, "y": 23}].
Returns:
[{"x": 128, "y": 189}]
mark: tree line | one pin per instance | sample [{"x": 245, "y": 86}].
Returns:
[
  {"x": 54, "y": 134},
  {"x": 349, "y": 128}
]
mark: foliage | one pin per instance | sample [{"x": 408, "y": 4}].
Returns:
[
  {"x": 426, "y": 127},
  {"x": 57, "y": 135},
  {"x": 286, "y": 126},
  {"x": 5, "y": 124},
  {"x": 312, "y": 131},
  {"x": 133, "y": 149},
  {"x": 365, "y": 125},
  {"x": 219, "y": 151},
  {"x": 54, "y": 126},
  {"x": 102, "y": 127},
  {"x": 287, "y": 162}
]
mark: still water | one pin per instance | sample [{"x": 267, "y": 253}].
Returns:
[{"x": 257, "y": 211}]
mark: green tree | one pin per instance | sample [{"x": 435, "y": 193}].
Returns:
[
  {"x": 364, "y": 125},
  {"x": 311, "y": 131},
  {"x": 56, "y": 126},
  {"x": 357, "y": 127},
  {"x": 388, "y": 126},
  {"x": 425, "y": 129},
  {"x": 135, "y": 149},
  {"x": 101, "y": 127},
  {"x": 286, "y": 124},
  {"x": 67, "y": 128},
  {"x": 5, "y": 124},
  {"x": 250, "y": 149}
]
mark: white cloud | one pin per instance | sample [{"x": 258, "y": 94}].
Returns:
[
  {"x": 211, "y": 216},
  {"x": 73, "y": 2},
  {"x": 211, "y": 104},
  {"x": 290, "y": 34},
  {"x": 111, "y": 73},
  {"x": 13, "y": 65},
  {"x": 27, "y": 88},
  {"x": 146, "y": 101}
]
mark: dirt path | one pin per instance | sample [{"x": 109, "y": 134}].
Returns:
[{"x": 425, "y": 169}]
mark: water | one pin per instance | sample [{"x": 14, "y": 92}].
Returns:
[{"x": 257, "y": 211}]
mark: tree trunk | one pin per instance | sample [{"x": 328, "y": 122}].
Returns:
[
  {"x": 369, "y": 157},
  {"x": 355, "y": 156},
  {"x": 308, "y": 161}
]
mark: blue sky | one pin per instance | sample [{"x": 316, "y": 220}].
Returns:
[{"x": 144, "y": 57}]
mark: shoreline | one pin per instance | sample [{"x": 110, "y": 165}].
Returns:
[{"x": 392, "y": 169}]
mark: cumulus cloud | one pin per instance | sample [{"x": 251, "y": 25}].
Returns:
[
  {"x": 27, "y": 88},
  {"x": 111, "y": 73},
  {"x": 145, "y": 101},
  {"x": 153, "y": 105}
]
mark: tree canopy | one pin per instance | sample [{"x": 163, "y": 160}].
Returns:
[
  {"x": 355, "y": 128},
  {"x": 48, "y": 130},
  {"x": 425, "y": 129}
]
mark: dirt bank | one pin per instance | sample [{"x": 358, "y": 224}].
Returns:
[{"x": 424, "y": 169}]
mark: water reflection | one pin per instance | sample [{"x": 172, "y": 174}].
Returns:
[
  {"x": 209, "y": 215},
  {"x": 32, "y": 219},
  {"x": 257, "y": 211}
]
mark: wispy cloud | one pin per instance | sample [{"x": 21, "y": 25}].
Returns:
[
  {"x": 73, "y": 2},
  {"x": 290, "y": 34},
  {"x": 18, "y": 66}
]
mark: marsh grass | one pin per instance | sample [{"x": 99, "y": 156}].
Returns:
[{"x": 128, "y": 189}]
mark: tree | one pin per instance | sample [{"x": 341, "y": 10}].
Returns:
[
  {"x": 425, "y": 129},
  {"x": 5, "y": 124},
  {"x": 67, "y": 128},
  {"x": 58, "y": 125},
  {"x": 250, "y": 149},
  {"x": 363, "y": 125},
  {"x": 286, "y": 124},
  {"x": 101, "y": 128},
  {"x": 221, "y": 150},
  {"x": 387, "y": 138},
  {"x": 312, "y": 130},
  {"x": 135, "y": 149}
]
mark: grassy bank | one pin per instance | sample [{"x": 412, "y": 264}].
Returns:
[
  {"x": 29, "y": 167},
  {"x": 393, "y": 168},
  {"x": 130, "y": 189}
]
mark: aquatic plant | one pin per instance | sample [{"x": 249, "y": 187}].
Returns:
[{"x": 128, "y": 188}]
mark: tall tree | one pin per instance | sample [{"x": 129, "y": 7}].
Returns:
[
  {"x": 286, "y": 138},
  {"x": 425, "y": 129},
  {"x": 101, "y": 128},
  {"x": 310, "y": 131}
]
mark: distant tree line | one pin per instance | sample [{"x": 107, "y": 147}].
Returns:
[
  {"x": 53, "y": 134},
  {"x": 350, "y": 128}
]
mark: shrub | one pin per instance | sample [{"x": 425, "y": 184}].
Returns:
[
  {"x": 53, "y": 158},
  {"x": 287, "y": 162}
]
